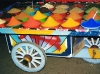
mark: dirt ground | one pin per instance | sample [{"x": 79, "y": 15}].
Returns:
[{"x": 54, "y": 65}]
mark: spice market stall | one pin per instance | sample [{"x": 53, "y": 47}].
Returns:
[{"x": 58, "y": 28}]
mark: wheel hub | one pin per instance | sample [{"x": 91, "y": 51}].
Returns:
[
  {"x": 94, "y": 46},
  {"x": 27, "y": 59}
]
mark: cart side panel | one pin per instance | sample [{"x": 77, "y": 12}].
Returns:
[
  {"x": 53, "y": 45},
  {"x": 86, "y": 47}
]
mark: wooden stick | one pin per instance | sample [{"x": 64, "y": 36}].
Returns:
[{"x": 95, "y": 14}]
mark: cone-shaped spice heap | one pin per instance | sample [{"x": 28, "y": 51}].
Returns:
[
  {"x": 44, "y": 10},
  {"x": 78, "y": 5},
  {"x": 39, "y": 16},
  {"x": 22, "y": 16},
  {"x": 74, "y": 15},
  {"x": 6, "y": 16},
  {"x": 14, "y": 10},
  {"x": 60, "y": 11},
  {"x": 77, "y": 9},
  {"x": 2, "y": 22},
  {"x": 57, "y": 17},
  {"x": 49, "y": 6},
  {"x": 31, "y": 23},
  {"x": 70, "y": 24},
  {"x": 90, "y": 24},
  {"x": 29, "y": 10},
  {"x": 91, "y": 15},
  {"x": 13, "y": 22},
  {"x": 92, "y": 8},
  {"x": 62, "y": 6},
  {"x": 50, "y": 23}
]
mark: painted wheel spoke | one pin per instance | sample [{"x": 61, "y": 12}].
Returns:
[
  {"x": 37, "y": 61},
  {"x": 97, "y": 41},
  {"x": 34, "y": 54},
  {"x": 87, "y": 45},
  {"x": 88, "y": 41},
  {"x": 20, "y": 53},
  {"x": 34, "y": 64},
  {"x": 22, "y": 50},
  {"x": 21, "y": 60},
  {"x": 31, "y": 50},
  {"x": 29, "y": 65},
  {"x": 92, "y": 41},
  {"x": 98, "y": 45},
  {"x": 17, "y": 56},
  {"x": 27, "y": 50},
  {"x": 37, "y": 57}
]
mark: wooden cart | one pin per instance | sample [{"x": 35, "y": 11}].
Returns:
[{"x": 29, "y": 48}]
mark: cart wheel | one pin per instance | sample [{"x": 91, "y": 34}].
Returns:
[
  {"x": 92, "y": 61},
  {"x": 28, "y": 56}
]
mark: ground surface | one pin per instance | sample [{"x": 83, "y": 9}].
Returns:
[{"x": 53, "y": 65}]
